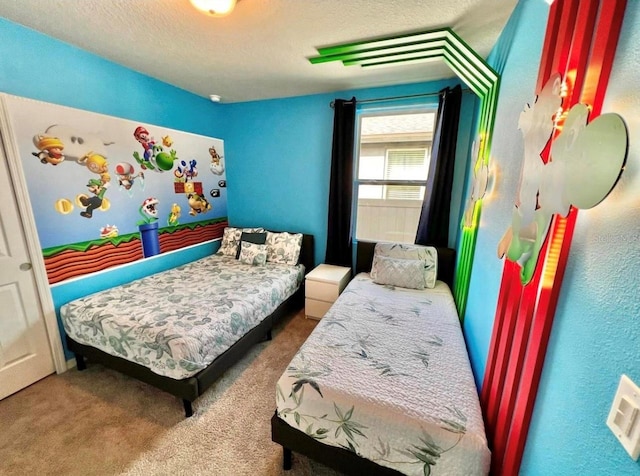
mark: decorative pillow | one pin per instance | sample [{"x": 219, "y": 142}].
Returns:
[
  {"x": 253, "y": 254},
  {"x": 427, "y": 254},
  {"x": 284, "y": 247},
  {"x": 405, "y": 273},
  {"x": 257, "y": 238},
  {"x": 231, "y": 239}
]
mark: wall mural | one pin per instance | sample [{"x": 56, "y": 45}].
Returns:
[
  {"x": 106, "y": 191},
  {"x": 586, "y": 162}
]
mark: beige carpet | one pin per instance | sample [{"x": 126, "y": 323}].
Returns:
[{"x": 99, "y": 422}]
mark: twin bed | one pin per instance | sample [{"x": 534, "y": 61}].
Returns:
[
  {"x": 181, "y": 329},
  {"x": 383, "y": 385}
]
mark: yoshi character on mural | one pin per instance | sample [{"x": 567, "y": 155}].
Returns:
[
  {"x": 586, "y": 160},
  {"x": 154, "y": 157}
]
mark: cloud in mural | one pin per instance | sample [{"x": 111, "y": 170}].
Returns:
[
  {"x": 586, "y": 161},
  {"x": 78, "y": 144}
]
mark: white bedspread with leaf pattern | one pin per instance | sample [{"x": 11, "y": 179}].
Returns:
[
  {"x": 178, "y": 321},
  {"x": 386, "y": 374}
]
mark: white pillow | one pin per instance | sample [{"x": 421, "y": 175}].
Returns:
[
  {"x": 404, "y": 273},
  {"x": 231, "y": 239},
  {"x": 427, "y": 254},
  {"x": 284, "y": 247},
  {"x": 253, "y": 254}
]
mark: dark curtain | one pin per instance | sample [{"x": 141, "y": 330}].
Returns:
[
  {"x": 341, "y": 186},
  {"x": 433, "y": 227}
]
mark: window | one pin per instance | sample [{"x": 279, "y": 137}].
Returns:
[
  {"x": 392, "y": 169},
  {"x": 402, "y": 164}
]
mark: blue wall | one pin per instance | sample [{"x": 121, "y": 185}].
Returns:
[
  {"x": 596, "y": 332},
  {"x": 279, "y": 158},
  {"x": 38, "y": 67}
]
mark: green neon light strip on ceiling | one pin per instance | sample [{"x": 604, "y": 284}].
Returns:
[
  {"x": 392, "y": 42},
  {"x": 472, "y": 69},
  {"x": 409, "y": 55},
  {"x": 392, "y": 60}
]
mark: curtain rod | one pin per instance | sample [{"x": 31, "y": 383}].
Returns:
[{"x": 392, "y": 98}]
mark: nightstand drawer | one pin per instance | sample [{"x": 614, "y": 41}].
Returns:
[
  {"x": 316, "y": 309},
  {"x": 322, "y": 291}
]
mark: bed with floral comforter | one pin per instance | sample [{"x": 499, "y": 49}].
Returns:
[
  {"x": 178, "y": 321},
  {"x": 386, "y": 375}
]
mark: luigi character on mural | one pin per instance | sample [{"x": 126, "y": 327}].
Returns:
[{"x": 98, "y": 189}]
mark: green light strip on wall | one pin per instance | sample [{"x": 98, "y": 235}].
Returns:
[{"x": 472, "y": 69}]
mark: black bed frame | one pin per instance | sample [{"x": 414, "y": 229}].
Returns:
[
  {"x": 341, "y": 459},
  {"x": 189, "y": 389}
]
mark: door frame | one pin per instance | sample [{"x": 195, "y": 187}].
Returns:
[{"x": 10, "y": 155}]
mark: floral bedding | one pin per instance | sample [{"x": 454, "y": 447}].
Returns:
[
  {"x": 386, "y": 374},
  {"x": 178, "y": 321}
]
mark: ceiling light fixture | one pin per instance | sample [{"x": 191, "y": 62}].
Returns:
[{"x": 214, "y": 8}]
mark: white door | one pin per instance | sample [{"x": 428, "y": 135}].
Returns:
[{"x": 25, "y": 354}]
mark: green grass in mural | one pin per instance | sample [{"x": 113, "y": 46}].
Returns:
[{"x": 117, "y": 240}]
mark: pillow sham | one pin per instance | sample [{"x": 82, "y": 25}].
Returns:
[
  {"x": 253, "y": 254},
  {"x": 231, "y": 238},
  {"x": 427, "y": 254},
  {"x": 257, "y": 238},
  {"x": 404, "y": 273},
  {"x": 284, "y": 247}
]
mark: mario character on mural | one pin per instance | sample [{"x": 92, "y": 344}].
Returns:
[
  {"x": 49, "y": 149},
  {"x": 154, "y": 156},
  {"x": 142, "y": 135}
]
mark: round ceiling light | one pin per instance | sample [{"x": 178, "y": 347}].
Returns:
[{"x": 215, "y": 8}]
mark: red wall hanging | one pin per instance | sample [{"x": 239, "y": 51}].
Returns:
[{"x": 580, "y": 44}]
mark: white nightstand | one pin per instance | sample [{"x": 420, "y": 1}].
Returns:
[{"x": 323, "y": 285}]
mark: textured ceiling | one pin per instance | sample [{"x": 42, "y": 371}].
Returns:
[{"x": 260, "y": 51}]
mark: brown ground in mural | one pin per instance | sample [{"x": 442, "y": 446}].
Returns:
[{"x": 72, "y": 263}]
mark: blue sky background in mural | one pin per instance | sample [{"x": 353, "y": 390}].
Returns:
[{"x": 80, "y": 197}]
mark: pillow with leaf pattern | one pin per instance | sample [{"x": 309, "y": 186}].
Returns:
[
  {"x": 284, "y": 247},
  {"x": 427, "y": 254},
  {"x": 404, "y": 273},
  {"x": 253, "y": 254}
]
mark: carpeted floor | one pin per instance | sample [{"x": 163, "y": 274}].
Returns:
[{"x": 100, "y": 422}]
